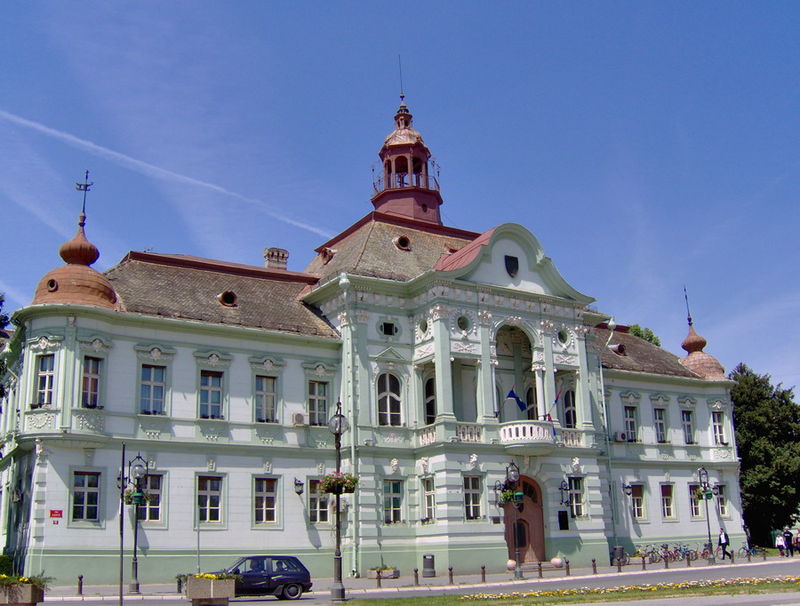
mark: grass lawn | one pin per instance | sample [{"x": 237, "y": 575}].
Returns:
[{"x": 612, "y": 594}]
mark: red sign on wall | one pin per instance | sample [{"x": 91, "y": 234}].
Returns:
[{"x": 56, "y": 513}]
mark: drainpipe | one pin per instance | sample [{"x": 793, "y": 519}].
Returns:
[{"x": 611, "y": 492}]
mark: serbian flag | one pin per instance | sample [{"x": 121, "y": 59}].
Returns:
[{"x": 511, "y": 394}]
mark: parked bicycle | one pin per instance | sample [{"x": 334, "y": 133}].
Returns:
[{"x": 750, "y": 550}]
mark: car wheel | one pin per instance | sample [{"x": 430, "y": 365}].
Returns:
[{"x": 293, "y": 591}]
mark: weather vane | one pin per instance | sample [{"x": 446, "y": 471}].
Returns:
[
  {"x": 84, "y": 187},
  {"x": 400, "y": 66}
]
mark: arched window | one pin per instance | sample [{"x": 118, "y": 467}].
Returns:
[
  {"x": 570, "y": 418},
  {"x": 530, "y": 401},
  {"x": 388, "y": 400},
  {"x": 430, "y": 401}
]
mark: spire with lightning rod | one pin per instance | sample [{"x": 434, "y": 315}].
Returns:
[
  {"x": 400, "y": 67},
  {"x": 688, "y": 313},
  {"x": 84, "y": 187}
]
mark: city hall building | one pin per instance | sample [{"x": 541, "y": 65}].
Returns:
[{"x": 457, "y": 357}]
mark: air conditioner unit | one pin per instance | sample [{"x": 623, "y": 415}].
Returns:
[
  {"x": 299, "y": 418},
  {"x": 620, "y": 436}
]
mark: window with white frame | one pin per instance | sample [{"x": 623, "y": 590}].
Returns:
[
  {"x": 637, "y": 501},
  {"x": 576, "y": 497},
  {"x": 317, "y": 402},
  {"x": 265, "y": 399},
  {"x": 90, "y": 391},
  {"x": 430, "y": 401},
  {"x": 570, "y": 416},
  {"x": 152, "y": 389},
  {"x": 429, "y": 500},
  {"x": 150, "y": 510},
  {"x": 209, "y": 499},
  {"x": 717, "y": 420},
  {"x": 45, "y": 373},
  {"x": 667, "y": 504},
  {"x": 660, "y": 424},
  {"x": 264, "y": 505},
  {"x": 687, "y": 423},
  {"x": 694, "y": 502},
  {"x": 388, "y": 400},
  {"x": 392, "y": 501},
  {"x": 472, "y": 497},
  {"x": 722, "y": 502},
  {"x": 86, "y": 496},
  {"x": 630, "y": 423},
  {"x": 211, "y": 394},
  {"x": 317, "y": 503},
  {"x": 531, "y": 404}
]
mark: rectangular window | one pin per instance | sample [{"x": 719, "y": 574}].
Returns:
[
  {"x": 660, "y": 424},
  {"x": 90, "y": 394},
  {"x": 630, "y": 424},
  {"x": 265, "y": 400},
  {"x": 317, "y": 403},
  {"x": 392, "y": 501},
  {"x": 717, "y": 424},
  {"x": 576, "y": 497},
  {"x": 209, "y": 499},
  {"x": 150, "y": 511},
  {"x": 45, "y": 373},
  {"x": 688, "y": 426},
  {"x": 429, "y": 496},
  {"x": 694, "y": 502},
  {"x": 210, "y": 394},
  {"x": 85, "y": 496},
  {"x": 722, "y": 503},
  {"x": 637, "y": 501},
  {"x": 317, "y": 503},
  {"x": 152, "y": 389},
  {"x": 472, "y": 497},
  {"x": 264, "y": 501},
  {"x": 667, "y": 509}
]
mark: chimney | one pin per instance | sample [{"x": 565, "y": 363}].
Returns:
[{"x": 275, "y": 258}]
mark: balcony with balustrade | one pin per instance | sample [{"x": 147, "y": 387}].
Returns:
[{"x": 528, "y": 437}]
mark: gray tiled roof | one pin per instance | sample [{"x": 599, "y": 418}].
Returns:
[
  {"x": 369, "y": 249},
  {"x": 640, "y": 356},
  {"x": 179, "y": 286}
]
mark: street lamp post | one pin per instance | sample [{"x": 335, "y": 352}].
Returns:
[
  {"x": 137, "y": 470},
  {"x": 702, "y": 475},
  {"x": 512, "y": 477},
  {"x": 338, "y": 425}
]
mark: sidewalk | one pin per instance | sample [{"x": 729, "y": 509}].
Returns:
[{"x": 360, "y": 586}]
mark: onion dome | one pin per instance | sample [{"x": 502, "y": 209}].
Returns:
[
  {"x": 76, "y": 282},
  {"x": 698, "y": 361}
]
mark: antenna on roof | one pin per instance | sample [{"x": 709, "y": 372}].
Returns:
[
  {"x": 84, "y": 187},
  {"x": 688, "y": 313},
  {"x": 400, "y": 66}
]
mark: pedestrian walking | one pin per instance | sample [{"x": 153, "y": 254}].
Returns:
[
  {"x": 780, "y": 543},
  {"x": 787, "y": 539},
  {"x": 723, "y": 541}
]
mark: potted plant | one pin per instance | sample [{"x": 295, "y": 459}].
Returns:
[
  {"x": 387, "y": 572},
  {"x": 338, "y": 483},
  {"x": 507, "y": 496},
  {"x": 210, "y": 589},
  {"x": 27, "y": 591}
]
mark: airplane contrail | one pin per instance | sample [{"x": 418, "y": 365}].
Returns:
[{"x": 153, "y": 171}]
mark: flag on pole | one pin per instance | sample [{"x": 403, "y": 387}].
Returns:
[{"x": 511, "y": 394}]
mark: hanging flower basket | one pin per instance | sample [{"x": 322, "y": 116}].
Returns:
[
  {"x": 506, "y": 497},
  {"x": 133, "y": 497},
  {"x": 338, "y": 483}
]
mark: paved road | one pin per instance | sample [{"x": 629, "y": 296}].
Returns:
[{"x": 164, "y": 595}]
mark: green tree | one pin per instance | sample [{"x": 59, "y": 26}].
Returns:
[
  {"x": 767, "y": 422},
  {"x": 646, "y": 334}
]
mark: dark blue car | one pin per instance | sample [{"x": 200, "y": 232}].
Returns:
[{"x": 285, "y": 577}]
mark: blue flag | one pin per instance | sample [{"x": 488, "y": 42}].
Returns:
[{"x": 522, "y": 406}]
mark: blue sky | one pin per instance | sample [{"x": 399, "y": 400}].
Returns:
[{"x": 647, "y": 145}]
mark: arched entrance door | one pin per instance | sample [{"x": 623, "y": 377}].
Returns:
[{"x": 524, "y": 523}]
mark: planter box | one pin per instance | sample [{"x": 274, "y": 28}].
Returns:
[
  {"x": 390, "y": 573},
  {"x": 210, "y": 592},
  {"x": 21, "y": 594}
]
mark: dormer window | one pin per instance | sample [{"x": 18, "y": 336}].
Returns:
[
  {"x": 227, "y": 298},
  {"x": 402, "y": 242}
]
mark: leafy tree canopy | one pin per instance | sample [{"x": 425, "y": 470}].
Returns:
[
  {"x": 767, "y": 422},
  {"x": 646, "y": 334}
]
